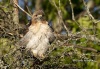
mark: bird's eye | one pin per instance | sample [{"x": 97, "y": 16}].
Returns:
[{"x": 36, "y": 15}]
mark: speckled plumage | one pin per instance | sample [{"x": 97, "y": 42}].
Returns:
[{"x": 39, "y": 36}]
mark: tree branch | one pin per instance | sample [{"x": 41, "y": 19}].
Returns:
[{"x": 23, "y": 10}]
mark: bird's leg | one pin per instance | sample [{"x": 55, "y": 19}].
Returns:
[
  {"x": 41, "y": 55},
  {"x": 38, "y": 55},
  {"x": 34, "y": 52}
]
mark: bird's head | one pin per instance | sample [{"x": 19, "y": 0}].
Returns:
[{"x": 38, "y": 15}]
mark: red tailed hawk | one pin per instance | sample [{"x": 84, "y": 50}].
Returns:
[{"x": 39, "y": 36}]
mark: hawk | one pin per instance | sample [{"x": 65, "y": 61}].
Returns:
[{"x": 39, "y": 36}]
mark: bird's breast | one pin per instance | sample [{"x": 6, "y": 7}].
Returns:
[{"x": 39, "y": 36}]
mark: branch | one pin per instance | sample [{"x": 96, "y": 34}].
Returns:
[
  {"x": 29, "y": 10},
  {"x": 73, "y": 17},
  {"x": 92, "y": 18},
  {"x": 23, "y": 10},
  {"x": 60, "y": 15},
  {"x": 90, "y": 15},
  {"x": 87, "y": 9},
  {"x": 86, "y": 48},
  {"x": 78, "y": 35}
]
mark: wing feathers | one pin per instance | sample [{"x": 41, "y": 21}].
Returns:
[{"x": 25, "y": 39}]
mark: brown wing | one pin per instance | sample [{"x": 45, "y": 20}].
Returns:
[
  {"x": 51, "y": 35},
  {"x": 23, "y": 42},
  {"x": 52, "y": 38}
]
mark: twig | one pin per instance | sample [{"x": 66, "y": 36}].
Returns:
[
  {"x": 23, "y": 10},
  {"x": 97, "y": 21},
  {"x": 73, "y": 17},
  {"x": 60, "y": 15},
  {"x": 80, "y": 47},
  {"x": 86, "y": 48},
  {"x": 92, "y": 18},
  {"x": 79, "y": 35},
  {"x": 28, "y": 10},
  {"x": 87, "y": 9},
  {"x": 90, "y": 15}
]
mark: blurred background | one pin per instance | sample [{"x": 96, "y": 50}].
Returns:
[{"x": 77, "y": 44}]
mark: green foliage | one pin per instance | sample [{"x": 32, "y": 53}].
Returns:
[
  {"x": 97, "y": 2},
  {"x": 77, "y": 53},
  {"x": 5, "y": 46}
]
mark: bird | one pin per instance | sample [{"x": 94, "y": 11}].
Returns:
[{"x": 39, "y": 37}]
